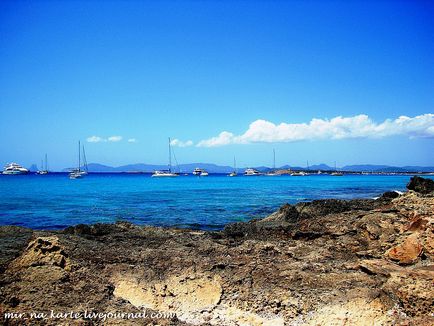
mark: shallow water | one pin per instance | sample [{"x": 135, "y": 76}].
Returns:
[{"x": 54, "y": 201}]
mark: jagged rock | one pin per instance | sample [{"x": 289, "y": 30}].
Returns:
[
  {"x": 42, "y": 251},
  {"x": 239, "y": 229},
  {"x": 333, "y": 206},
  {"x": 407, "y": 252},
  {"x": 286, "y": 213},
  {"x": 388, "y": 195},
  {"x": 421, "y": 185}
]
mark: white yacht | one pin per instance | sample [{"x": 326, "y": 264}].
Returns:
[
  {"x": 198, "y": 171},
  {"x": 166, "y": 173},
  {"x": 14, "y": 168},
  {"x": 204, "y": 173},
  {"x": 251, "y": 172}
]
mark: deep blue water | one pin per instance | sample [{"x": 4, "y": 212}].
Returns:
[{"x": 54, "y": 201}]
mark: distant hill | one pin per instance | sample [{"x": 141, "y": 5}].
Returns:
[
  {"x": 387, "y": 168},
  {"x": 214, "y": 168}
]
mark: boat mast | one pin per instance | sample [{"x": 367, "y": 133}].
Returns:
[
  {"x": 235, "y": 165},
  {"x": 274, "y": 159},
  {"x": 84, "y": 160},
  {"x": 46, "y": 162},
  {"x": 79, "y": 157},
  {"x": 170, "y": 158}
]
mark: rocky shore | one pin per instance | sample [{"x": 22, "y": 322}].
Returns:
[{"x": 326, "y": 262}]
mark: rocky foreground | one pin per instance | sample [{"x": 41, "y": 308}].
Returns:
[{"x": 327, "y": 262}]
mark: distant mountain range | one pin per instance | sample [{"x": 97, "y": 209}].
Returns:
[{"x": 213, "y": 168}]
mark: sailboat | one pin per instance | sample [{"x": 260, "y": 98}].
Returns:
[
  {"x": 166, "y": 173},
  {"x": 43, "y": 170},
  {"x": 307, "y": 168},
  {"x": 79, "y": 173},
  {"x": 234, "y": 172},
  {"x": 273, "y": 172},
  {"x": 336, "y": 173}
]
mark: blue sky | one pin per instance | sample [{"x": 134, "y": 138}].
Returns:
[{"x": 71, "y": 70}]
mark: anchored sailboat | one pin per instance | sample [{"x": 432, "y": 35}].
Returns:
[
  {"x": 44, "y": 168},
  {"x": 166, "y": 173},
  {"x": 234, "y": 172},
  {"x": 273, "y": 172},
  {"x": 336, "y": 173},
  {"x": 79, "y": 173}
]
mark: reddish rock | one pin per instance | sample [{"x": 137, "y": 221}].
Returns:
[{"x": 407, "y": 252}]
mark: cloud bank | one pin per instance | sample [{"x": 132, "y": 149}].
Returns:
[
  {"x": 359, "y": 126},
  {"x": 114, "y": 138},
  {"x": 98, "y": 139},
  {"x": 179, "y": 143}
]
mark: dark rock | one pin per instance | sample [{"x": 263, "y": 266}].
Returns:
[
  {"x": 239, "y": 229},
  {"x": 421, "y": 185},
  {"x": 333, "y": 206},
  {"x": 13, "y": 241},
  {"x": 95, "y": 230},
  {"x": 388, "y": 195}
]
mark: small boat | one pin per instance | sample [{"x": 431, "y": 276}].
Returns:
[
  {"x": 44, "y": 169},
  {"x": 251, "y": 172},
  {"x": 204, "y": 173},
  {"x": 299, "y": 174},
  {"x": 234, "y": 172},
  {"x": 166, "y": 173},
  {"x": 197, "y": 171},
  {"x": 14, "y": 169}
]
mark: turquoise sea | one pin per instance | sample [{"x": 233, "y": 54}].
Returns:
[{"x": 54, "y": 201}]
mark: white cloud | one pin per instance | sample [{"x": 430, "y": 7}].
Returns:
[
  {"x": 114, "y": 138},
  {"x": 359, "y": 126},
  {"x": 132, "y": 140},
  {"x": 179, "y": 143},
  {"x": 95, "y": 139}
]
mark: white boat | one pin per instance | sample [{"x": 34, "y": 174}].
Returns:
[
  {"x": 234, "y": 172},
  {"x": 166, "y": 173},
  {"x": 204, "y": 173},
  {"x": 197, "y": 171},
  {"x": 299, "y": 174},
  {"x": 14, "y": 168},
  {"x": 163, "y": 173},
  {"x": 79, "y": 172},
  {"x": 251, "y": 172},
  {"x": 44, "y": 169}
]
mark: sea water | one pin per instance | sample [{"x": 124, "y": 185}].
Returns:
[{"x": 54, "y": 201}]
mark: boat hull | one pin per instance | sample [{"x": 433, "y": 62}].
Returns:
[{"x": 14, "y": 172}]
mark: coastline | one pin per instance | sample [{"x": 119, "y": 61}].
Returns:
[{"x": 327, "y": 261}]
